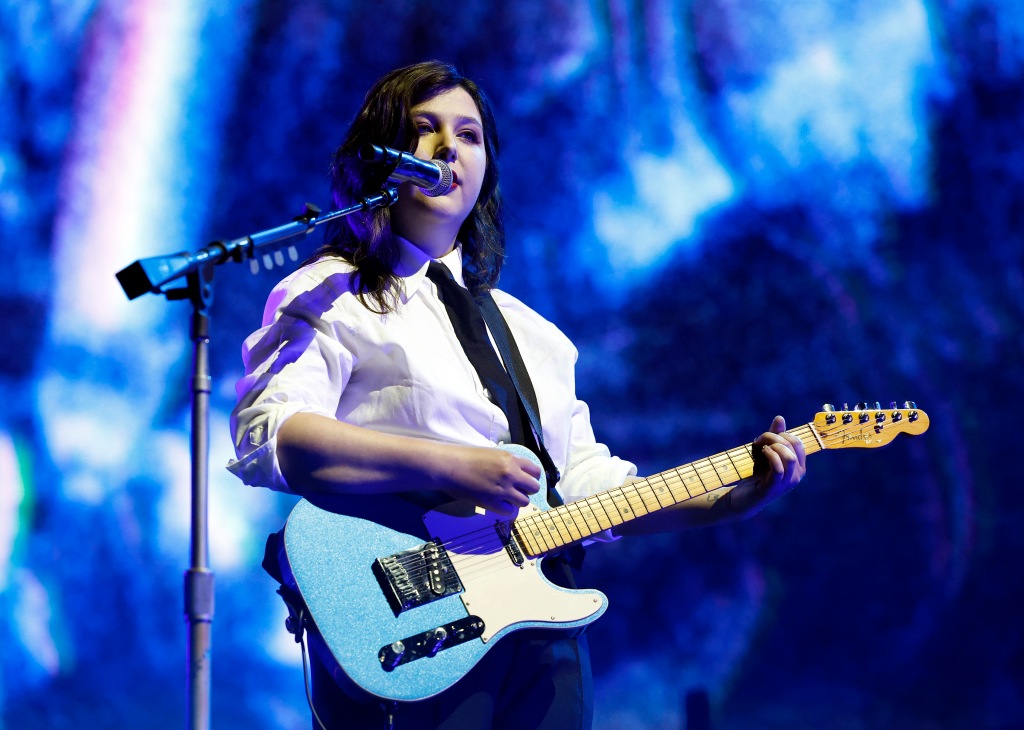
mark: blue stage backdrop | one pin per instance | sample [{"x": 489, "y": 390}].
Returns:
[{"x": 735, "y": 209}]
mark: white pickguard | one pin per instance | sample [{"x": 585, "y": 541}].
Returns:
[{"x": 502, "y": 594}]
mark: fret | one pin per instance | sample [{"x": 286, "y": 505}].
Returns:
[
  {"x": 742, "y": 464},
  {"x": 554, "y": 533},
  {"x": 724, "y": 469},
  {"x": 661, "y": 489},
  {"x": 590, "y": 526},
  {"x": 708, "y": 475},
  {"x": 540, "y": 533},
  {"x": 568, "y": 528},
  {"x": 526, "y": 538},
  {"x": 622, "y": 505},
  {"x": 629, "y": 498},
  {"x": 578, "y": 520},
  {"x": 594, "y": 504},
  {"x": 614, "y": 516},
  {"x": 647, "y": 495},
  {"x": 691, "y": 481}
]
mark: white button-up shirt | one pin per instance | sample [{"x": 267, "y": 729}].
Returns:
[{"x": 405, "y": 372}]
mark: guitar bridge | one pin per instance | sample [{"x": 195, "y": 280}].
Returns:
[{"x": 416, "y": 577}]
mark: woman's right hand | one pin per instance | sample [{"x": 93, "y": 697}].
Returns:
[{"x": 491, "y": 478}]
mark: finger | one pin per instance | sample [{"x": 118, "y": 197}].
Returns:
[
  {"x": 793, "y": 463},
  {"x": 517, "y": 500},
  {"x": 781, "y": 456},
  {"x": 778, "y": 425},
  {"x": 529, "y": 467},
  {"x": 798, "y": 447},
  {"x": 775, "y": 465},
  {"x": 531, "y": 486}
]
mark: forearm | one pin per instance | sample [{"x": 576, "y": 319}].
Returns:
[
  {"x": 712, "y": 508},
  {"x": 319, "y": 454},
  {"x": 780, "y": 469}
]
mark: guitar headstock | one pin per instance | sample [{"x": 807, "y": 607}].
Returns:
[{"x": 868, "y": 426}]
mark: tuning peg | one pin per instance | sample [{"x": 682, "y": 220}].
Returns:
[
  {"x": 909, "y": 404},
  {"x": 828, "y": 408},
  {"x": 892, "y": 405},
  {"x": 862, "y": 406}
]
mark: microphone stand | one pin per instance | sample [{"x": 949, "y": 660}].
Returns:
[{"x": 151, "y": 276}]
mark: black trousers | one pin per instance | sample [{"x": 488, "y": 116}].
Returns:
[{"x": 530, "y": 680}]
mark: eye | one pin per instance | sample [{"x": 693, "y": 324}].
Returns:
[
  {"x": 424, "y": 127},
  {"x": 469, "y": 135}
]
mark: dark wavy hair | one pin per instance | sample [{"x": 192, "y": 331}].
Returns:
[{"x": 364, "y": 239}]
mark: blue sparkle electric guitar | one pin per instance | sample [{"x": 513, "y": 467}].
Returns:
[{"x": 407, "y": 603}]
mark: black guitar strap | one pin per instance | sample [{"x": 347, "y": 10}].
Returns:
[
  {"x": 513, "y": 360},
  {"x": 498, "y": 327}
]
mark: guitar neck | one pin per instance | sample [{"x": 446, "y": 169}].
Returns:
[{"x": 546, "y": 532}]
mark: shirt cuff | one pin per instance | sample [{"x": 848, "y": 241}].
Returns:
[{"x": 260, "y": 468}]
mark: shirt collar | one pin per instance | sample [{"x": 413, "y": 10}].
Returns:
[{"x": 412, "y": 266}]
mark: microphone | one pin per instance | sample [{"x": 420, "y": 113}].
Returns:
[{"x": 434, "y": 176}]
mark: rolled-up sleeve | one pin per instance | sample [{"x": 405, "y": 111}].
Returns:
[
  {"x": 590, "y": 467},
  {"x": 296, "y": 363}
]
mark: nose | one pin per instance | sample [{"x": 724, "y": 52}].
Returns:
[{"x": 446, "y": 149}]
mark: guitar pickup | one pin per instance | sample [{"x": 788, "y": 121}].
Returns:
[
  {"x": 416, "y": 577},
  {"x": 429, "y": 643}
]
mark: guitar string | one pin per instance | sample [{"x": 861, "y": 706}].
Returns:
[{"x": 486, "y": 541}]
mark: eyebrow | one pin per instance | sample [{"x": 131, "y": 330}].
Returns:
[{"x": 459, "y": 120}]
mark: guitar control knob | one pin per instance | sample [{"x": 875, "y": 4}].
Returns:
[
  {"x": 438, "y": 637},
  {"x": 391, "y": 656}
]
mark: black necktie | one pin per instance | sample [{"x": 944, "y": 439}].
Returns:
[{"x": 472, "y": 333}]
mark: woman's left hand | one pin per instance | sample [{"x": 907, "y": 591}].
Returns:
[{"x": 785, "y": 459}]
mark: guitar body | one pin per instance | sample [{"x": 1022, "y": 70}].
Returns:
[{"x": 331, "y": 557}]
